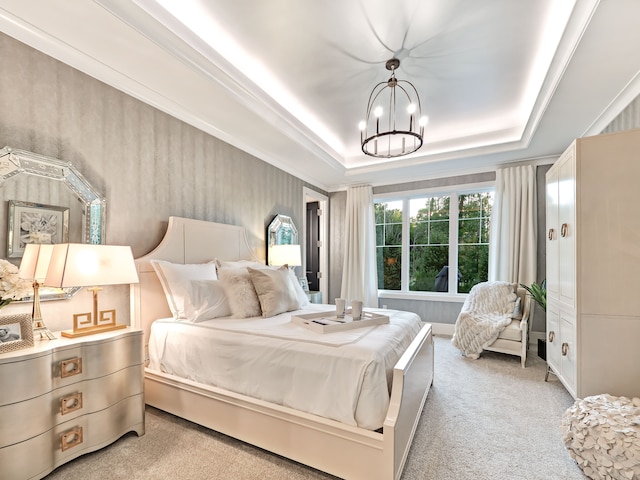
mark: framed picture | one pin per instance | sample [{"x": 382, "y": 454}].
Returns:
[
  {"x": 35, "y": 223},
  {"x": 304, "y": 283},
  {"x": 16, "y": 332}
]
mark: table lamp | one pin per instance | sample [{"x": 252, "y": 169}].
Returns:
[
  {"x": 285, "y": 255},
  {"x": 34, "y": 266},
  {"x": 87, "y": 265}
]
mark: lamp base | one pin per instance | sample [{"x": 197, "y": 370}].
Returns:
[{"x": 91, "y": 330}]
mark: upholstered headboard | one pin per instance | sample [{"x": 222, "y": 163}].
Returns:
[{"x": 186, "y": 241}]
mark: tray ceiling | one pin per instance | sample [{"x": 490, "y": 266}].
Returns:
[{"x": 288, "y": 81}]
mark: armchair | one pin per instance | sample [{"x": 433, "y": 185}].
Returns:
[
  {"x": 514, "y": 339},
  {"x": 494, "y": 317}
]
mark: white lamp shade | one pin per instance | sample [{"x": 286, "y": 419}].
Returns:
[
  {"x": 35, "y": 262},
  {"x": 285, "y": 255},
  {"x": 82, "y": 265}
]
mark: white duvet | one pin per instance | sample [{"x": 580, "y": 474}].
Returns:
[{"x": 344, "y": 376}]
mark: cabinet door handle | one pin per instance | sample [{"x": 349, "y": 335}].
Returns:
[
  {"x": 71, "y": 367},
  {"x": 551, "y": 232},
  {"x": 71, "y": 403},
  {"x": 71, "y": 438},
  {"x": 565, "y": 349},
  {"x": 564, "y": 230},
  {"x": 552, "y": 336}
]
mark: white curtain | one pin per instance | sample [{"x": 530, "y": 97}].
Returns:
[
  {"x": 513, "y": 245},
  {"x": 359, "y": 277}
]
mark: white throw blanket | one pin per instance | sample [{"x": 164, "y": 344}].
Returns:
[{"x": 485, "y": 313}]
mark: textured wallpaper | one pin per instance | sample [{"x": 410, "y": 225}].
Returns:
[
  {"x": 628, "y": 119},
  {"x": 148, "y": 164}
]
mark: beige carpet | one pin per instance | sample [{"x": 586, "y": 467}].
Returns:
[{"x": 484, "y": 419}]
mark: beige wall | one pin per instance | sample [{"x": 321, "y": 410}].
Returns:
[{"x": 148, "y": 164}]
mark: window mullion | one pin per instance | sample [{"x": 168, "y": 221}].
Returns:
[
  {"x": 453, "y": 243},
  {"x": 406, "y": 220}
]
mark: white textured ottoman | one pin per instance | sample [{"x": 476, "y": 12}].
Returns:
[{"x": 602, "y": 434}]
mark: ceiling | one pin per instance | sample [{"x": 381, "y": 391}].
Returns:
[{"x": 288, "y": 80}]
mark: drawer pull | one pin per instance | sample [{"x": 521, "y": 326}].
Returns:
[
  {"x": 552, "y": 336},
  {"x": 551, "y": 232},
  {"x": 564, "y": 230},
  {"x": 71, "y": 367},
  {"x": 71, "y": 403},
  {"x": 565, "y": 349},
  {"x": 71, "y": 438}
]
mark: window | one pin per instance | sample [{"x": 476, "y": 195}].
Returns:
[
  {"x": 417, "y": 241},
  {"x": 389, "y": 244}
]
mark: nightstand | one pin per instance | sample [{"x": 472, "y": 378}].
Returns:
[
  {"x": 314, "y": 297},
  {"x": 65, "y": 397}
]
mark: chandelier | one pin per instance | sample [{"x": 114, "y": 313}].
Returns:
[{"x": 394, "y": 125}]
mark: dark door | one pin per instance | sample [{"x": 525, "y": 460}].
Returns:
[{"x": 312, "y": 247}]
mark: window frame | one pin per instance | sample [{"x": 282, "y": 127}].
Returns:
[{"x": 405, "y": 196}]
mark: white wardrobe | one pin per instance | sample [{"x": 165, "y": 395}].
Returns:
[{"x": 593, "y": 265}]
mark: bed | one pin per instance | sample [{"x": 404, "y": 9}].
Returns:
[{"x": 340, "y": 447}]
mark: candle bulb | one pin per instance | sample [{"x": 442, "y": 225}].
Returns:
[{"x": 362, "y": 126}]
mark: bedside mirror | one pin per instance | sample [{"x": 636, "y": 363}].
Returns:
[
  {"x": 282, "y": 242},
  {"x": 30, "y": 180},
  {"x": 282, "y": 231}
]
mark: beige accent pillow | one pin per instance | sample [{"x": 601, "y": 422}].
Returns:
[
  {"x": 240, "y": 293},
  {"x": 275, "y": 290}
]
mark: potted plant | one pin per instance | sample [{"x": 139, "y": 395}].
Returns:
[{"x": 538, "y": 292}]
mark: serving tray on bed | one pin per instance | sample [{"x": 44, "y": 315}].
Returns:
[{"x": 327, "y": 322}]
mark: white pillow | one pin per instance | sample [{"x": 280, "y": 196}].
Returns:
[
  {"x": 220, "y": 264},
  {"x": 303, "y": 300},
  {"x": 206, "y": 301},
  {"x": 275, "y": 290},
  {"x": 242, "y": 297},
  {"x": 175, "y": 279}
]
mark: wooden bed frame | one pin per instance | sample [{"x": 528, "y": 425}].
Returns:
[{"x": 342, "y": 450}]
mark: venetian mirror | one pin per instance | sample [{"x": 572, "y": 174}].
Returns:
[
  {"x": 37, "y": 183},
  {"x": 282, "y": 243},
  {"x": 282, "y": 231}
]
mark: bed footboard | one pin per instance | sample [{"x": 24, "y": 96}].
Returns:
[
  {"x": 412, "y": 379},
  {"x": 347, "y": 452}
]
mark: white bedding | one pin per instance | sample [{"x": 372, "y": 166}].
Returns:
[{"x": 344, "y": 376}]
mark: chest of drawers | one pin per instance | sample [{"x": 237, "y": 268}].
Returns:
[{"x": 62, "y": 398}]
